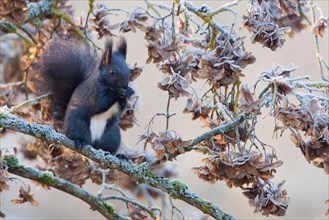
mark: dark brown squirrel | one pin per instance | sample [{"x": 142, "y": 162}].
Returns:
[{"x": 88, "y": 93}]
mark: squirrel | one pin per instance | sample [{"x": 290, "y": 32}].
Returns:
[{"x": 87, "y": 93}]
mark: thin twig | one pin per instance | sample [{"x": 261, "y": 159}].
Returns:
[
  {"x": 167, "y": 112},
  {"x": 106, "y": 186},
  {"x": 205, "y": 16},
  {"x": 225, "y": 7},
  {"x": 317, "y": 44},
  {"x": 133, "y": 201},
  {"x": 29, "y": 34},
  {"x": 11, "y": 84},
  {"x": 15, "y": 109},
  {"x": 173, "y": 207}
]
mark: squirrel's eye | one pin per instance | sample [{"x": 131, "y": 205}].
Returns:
[{"x": 112, "y": 72}]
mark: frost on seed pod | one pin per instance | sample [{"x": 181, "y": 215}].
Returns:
[
  {"x": 320, "y": 26},
  {"x": 237, "y": 169},
  {"x": 175, "y": 84},
  {"x": 267, "y": 197},
  {"x": 136, "y": 21},
  {"x": 102, "y": 21},
  {"x": 310, "y": 118},
  {"x": 165, "y": 144},
  {"x": 278, "y": 78},
  {"x": 247, "y": 102},
  {"x": 261, "y": 24},
  {"x": 197, "y": 108},
  {"x": 164, "y": 49},
  {"x": 286, "y": 16},
  {"x": 223, "y": 65}
]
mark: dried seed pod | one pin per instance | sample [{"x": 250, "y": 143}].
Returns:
[
  {"x": 268, "y": 197},
  {"x": 320, "y": 26},
  {"x": 261, "y": 24}
]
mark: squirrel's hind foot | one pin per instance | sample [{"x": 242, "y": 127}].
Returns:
[
  {"x": 79, "y": 143},
  {"x": 122, "y": 157}
]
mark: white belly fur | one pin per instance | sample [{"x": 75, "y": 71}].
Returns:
[{"x": 98, "y": 122}]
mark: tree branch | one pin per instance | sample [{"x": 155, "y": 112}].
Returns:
[
  {"x": 132, "y": 201},
  {"x": 205, "y": 16},
  {"x": 95, "y": 202},
  {"x": 219, "y": 130},
  {"x": 141, "y": 173},
  {"x": 224, "y": 7},
  {"x": 208, "y": 134},
  {"x": 15, "y": 109}
]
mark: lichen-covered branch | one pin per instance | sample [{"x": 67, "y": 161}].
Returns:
[
  {"x": 219, "y": 130},
  {"x": 204, "y": 15},
  {"x": 47, "y": 178},
  {"x": 211, "y": 133},
  {"x": 37, "y": 11},
  {"x": 141, "y": 173}
]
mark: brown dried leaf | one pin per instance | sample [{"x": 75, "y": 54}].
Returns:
[
  {"x": 320, "y": 26},
  {"x": 135, "y": 72},
  {"x": 25, "y": 196},
  {"x": 136, "y": 213},
  {"x": 247, "y": 103},
  {"x": 175, "y": 84}
]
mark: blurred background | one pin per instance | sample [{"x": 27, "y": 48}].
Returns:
[{"x": 307, "y": 185}]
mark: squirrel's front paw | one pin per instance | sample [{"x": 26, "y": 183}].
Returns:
[
  {"x": 129, "y": 92},
  {"x": 125, "y": 93},
  {"x": 79, "y": 144}
]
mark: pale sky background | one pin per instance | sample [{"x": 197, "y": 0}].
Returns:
[{"x": 307, "y": 185}]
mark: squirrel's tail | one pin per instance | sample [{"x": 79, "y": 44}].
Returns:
[{"x": 60, "y": 70}]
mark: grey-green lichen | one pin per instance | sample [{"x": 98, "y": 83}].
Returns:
[
  {"x": 11, "y": 161},
  {"x": 109, "y": 207},
  {"x": 7, "y": 27},
  {"x": 179, "y": 186},
  {"x": 47, "y": 177},
  {"x": 41, "y": 7},
  {"x": 207, "y": 207},
  {"x": 204, "y": 204}
]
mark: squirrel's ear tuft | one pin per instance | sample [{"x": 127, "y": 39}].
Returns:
[
  {"x": 122, "y": 47},
  {"x": 107, "y": 55}
]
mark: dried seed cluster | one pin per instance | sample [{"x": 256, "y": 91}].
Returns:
[
  {"x": 267, "y": 198},
  {"x": 237, "y": 169},
  {"x": 309, "y": 119},
  {"x": 261, "y": 24},
  {"x": 165, "y": 143}
]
